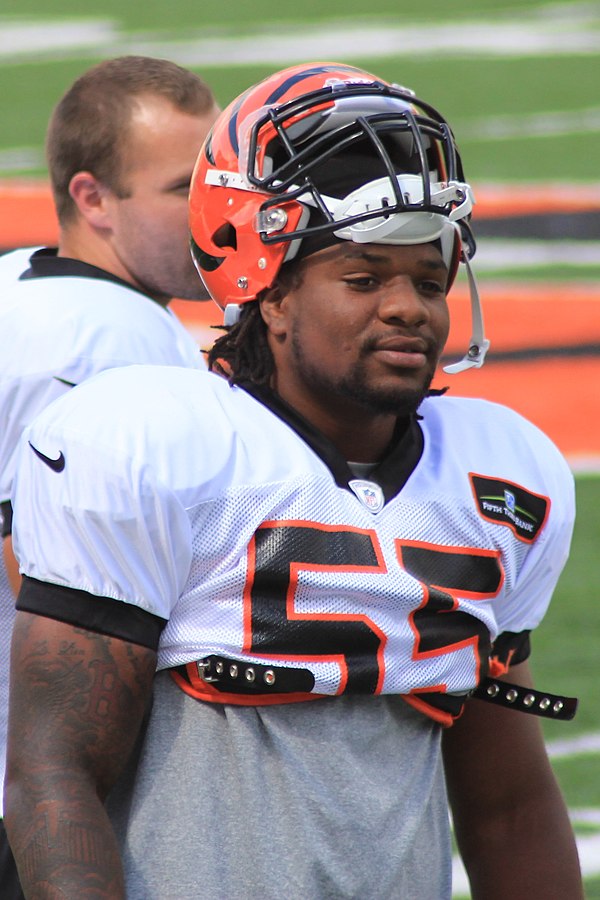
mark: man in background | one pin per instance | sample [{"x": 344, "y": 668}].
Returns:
[{"x": 121, "y": 145}]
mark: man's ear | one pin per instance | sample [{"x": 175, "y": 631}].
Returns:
[
  {"x": 273, "y": 310},
  {"x": 90, "y": 197}
]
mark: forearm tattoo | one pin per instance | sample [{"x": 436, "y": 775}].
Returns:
[{"x": 75, "y": 715}]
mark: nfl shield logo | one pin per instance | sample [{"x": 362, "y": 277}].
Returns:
[{"x": 369, "y": 494}]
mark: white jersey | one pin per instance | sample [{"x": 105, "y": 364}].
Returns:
[
  {"x": 13, "y": 264},
  {"x": 218, "y": 515},
  {"x": 62, "y": 321}
]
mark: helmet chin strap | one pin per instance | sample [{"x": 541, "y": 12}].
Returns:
[{"x": 478, "y": 344}]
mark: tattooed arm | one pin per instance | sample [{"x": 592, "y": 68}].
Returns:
[{"x": 76, "y": 707}]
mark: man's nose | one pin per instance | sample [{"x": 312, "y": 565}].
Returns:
[{"x": 403, "y": 302}]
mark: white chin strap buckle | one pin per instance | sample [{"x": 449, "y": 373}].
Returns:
[
  {"x": 474, "y": 358},
  {"x": 479, "y": 344},
  {"x": 231, "y": 314}
]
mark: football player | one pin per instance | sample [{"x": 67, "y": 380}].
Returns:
[
  {"x": 121, "y": 147},
  {"x": 331, "y": 567}
]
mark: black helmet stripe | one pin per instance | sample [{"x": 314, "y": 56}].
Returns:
[{"x": 281, "y": 91}]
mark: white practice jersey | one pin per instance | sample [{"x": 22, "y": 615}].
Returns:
[
  {"x": 13, "y": 264},
  {"x": 64, "y": 323},
  {"x": 61, "y": 322},
  {"x": 165, "y": 497}
]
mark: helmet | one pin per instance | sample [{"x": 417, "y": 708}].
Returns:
[{"x": 318, "y": 153}]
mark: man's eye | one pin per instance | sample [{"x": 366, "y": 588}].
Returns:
[
  {"x": 432, "y": 287},
  {"x": 361, "y": 281}
]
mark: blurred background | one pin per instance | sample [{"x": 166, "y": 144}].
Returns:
[{"x": 520, "y": 85}]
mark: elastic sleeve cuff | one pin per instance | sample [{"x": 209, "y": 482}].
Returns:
[
  {"x": 6, "y": 517},
  {"x": 509, "y": 649},
  {"x": 101, "y": 614}
]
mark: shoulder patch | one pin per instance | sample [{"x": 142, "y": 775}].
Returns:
[{"x": 510, "y": 504}]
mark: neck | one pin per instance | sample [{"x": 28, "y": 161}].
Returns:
[
  {"x": 79, "y": 241},
  {"x": 358, "y": 434}
]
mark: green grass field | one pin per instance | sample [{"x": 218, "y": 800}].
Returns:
[
  {"x": 565, "y": 659},
  {"x": 471, "y": 85},
  {"x": 519, "y": 115}
]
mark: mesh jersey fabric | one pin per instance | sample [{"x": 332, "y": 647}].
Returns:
[
  {"x": 196, "y": 503},
  {"x": 59, "y": 331},
  {"x": 178, "y": 495}
]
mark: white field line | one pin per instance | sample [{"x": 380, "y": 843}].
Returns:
[
  {"x": 499, "y": 253},
  {"x": 50, "y": 38},
  {"x": 467, "y": 39},
  {"x": 575, "y": 746},
  {"x": 552, "y": 29},
  {"x": 549, "y": 30},
  {"x": 524, "y": 127},
  {"x": 15, "y": 159}
]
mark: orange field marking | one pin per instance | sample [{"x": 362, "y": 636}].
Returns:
[
  {"x": 27, "y": 214},
  {"x": 557, "y": 393},
  {"x": 537, "y": 314},
  {"x": 528, "y": 199}
]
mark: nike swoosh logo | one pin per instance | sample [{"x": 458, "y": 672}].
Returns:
[
  {"x": 57, "y": 465},
  {"x": 64, "y": 381}
]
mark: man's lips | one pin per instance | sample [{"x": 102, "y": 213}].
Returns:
[{"x": 403, "y": 352}]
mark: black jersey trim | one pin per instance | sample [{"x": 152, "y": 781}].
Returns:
[
  {"x": 512, "y": 647},
  {"x": 46, "y": 263},
  {"x": 391, "y": 474},
  {"x": 6, "y": 517},
  {"x": 85, "y": 610}
]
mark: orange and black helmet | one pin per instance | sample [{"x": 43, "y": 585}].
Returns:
[{"x": 317, "y": 153}]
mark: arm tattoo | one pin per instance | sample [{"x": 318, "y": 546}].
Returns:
[{"x": 77, "y": 704}]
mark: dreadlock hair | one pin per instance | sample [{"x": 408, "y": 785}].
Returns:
[{"x": 243, "y": 352}]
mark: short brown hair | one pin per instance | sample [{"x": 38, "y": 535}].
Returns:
[{"x": 88, "y": 128}]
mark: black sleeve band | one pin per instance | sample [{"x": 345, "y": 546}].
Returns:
[
  {"x": 6, "y": 516},
  {"x": 512, "y": 647},
  {"x": 85, "y": 610}
]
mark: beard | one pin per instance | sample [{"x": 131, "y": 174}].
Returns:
[{"x": 355, "y": 388}]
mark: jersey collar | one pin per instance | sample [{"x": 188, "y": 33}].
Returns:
[
  {"x": 46, "y": 263},
  {"x": 391, "y": 474}
]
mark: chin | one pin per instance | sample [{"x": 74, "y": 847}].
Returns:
[{"x": 397, "y": 401}]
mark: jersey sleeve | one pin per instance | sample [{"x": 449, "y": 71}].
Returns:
[
  {"x": 67, "y": 330},
  {"x": 543, "y": 564},
  {"x": 95, "y": 518}
]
